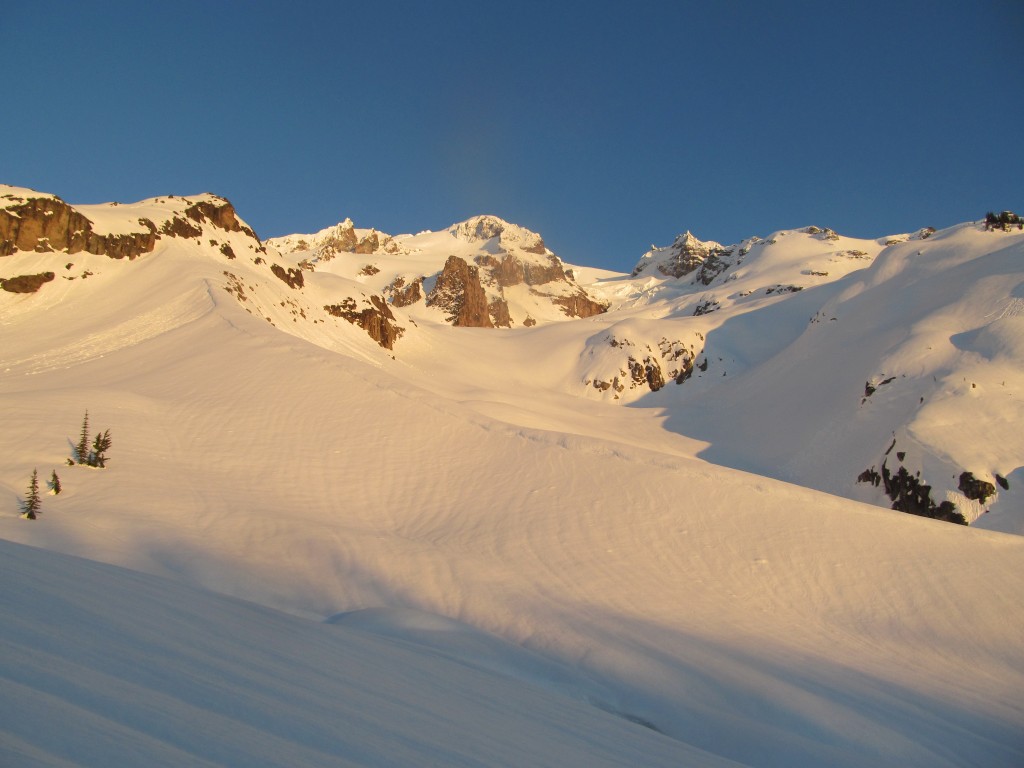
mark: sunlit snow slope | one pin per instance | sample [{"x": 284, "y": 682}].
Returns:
[{"x": 477, "y": 475}]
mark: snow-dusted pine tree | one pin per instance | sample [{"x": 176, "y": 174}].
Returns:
[{"x": 54, "y": 483}]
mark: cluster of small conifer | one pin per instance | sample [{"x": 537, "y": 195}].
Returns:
[{"x": 92, "y": 454}]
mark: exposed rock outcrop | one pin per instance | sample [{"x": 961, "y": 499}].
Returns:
[
  {"x": 376, "y": 319},
  {"x": 644, "y": 365},
  {"x": 404, "y": 294},
  {"x": 26, "y": 283},
  {"x": 459, "y": 293},
  {"x": 218, "y": 212},
  {"x": 499, "y": 314},
  {"x": 511, "y": 270},
  {"x": 341, "y": 238},
  {"x": 368, "y": 244},
  {"x": 292, "y": 277},
  {"x": 686, "y": 255},
  {"x": 646, "y": 372},
  {"x": 45, "y": 223},
  {"x": 178, "y": 226},
  {"x": 974, "y": 488},
  {"x": 579, "y": 305},
  {"x": 908, "y": 493},
  {"x": 679, "y": 357}
]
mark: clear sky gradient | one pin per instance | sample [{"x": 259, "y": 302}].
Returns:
[{"x": 605, "y": 126}]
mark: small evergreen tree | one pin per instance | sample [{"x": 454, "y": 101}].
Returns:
[
  {"x": 83, "y": 442},
  {"x": 100, "y": 446},
  {"x": 32, "y": 502},
  {"x": 54, "y": 483}
]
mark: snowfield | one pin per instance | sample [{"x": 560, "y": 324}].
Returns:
[{"x": 464, "y": 551}]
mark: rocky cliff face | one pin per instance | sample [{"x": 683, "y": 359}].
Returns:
[
  {"x": 508, "y": 270},
  {"x": 459, "y": 293},
  {"x": 579, "y": 304},
  {"x": 510, "y": 256},
  {"x": 374, "y": 317},
  {"x": 45, "y": 223},
  {"x": 493, "y": 273},
  {"x": 404, "y": 293},
  {"x": 686, "y": 255}
]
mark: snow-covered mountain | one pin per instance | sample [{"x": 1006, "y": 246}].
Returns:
[
  {"x": 616, "y": 479},
  {"x": 722, "y": 320}
]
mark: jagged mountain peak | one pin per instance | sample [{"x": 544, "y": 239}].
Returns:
[
  {"x": 686, "y": 254},
  {"x": 689, "y": 240},
  {"x": 343, "y": 237}
]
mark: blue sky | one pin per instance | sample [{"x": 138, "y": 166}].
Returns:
[{"x": 606, "y": 126}]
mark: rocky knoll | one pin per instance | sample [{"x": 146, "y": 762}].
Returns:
[
  {"x": 376, "y": 318},
  {"x": 45, "y": 223},
  {"x": 25, "y": 283},
  {"x": 341, "y": 238}
]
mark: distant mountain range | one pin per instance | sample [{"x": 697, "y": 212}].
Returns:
[{"x": 886, "y": 370}]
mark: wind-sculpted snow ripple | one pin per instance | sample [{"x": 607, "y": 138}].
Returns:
[{"x": 129, "y": 332}]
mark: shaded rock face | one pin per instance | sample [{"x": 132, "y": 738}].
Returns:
[
  {"x": 292, "y": 277},
  {"x": 510, "y": 270},
  {"x": 376, "y": 319},
  {"x": 671, "y": 360},
  {"x": 403, "y": 294},
  {"x": 688, "y": 254},
  {"x": 579, "y": 305},
  {"x": 908, "y": 493},
  {"x": 973, "y": 488},
  {"x": 499, "y": 314},
  {"x": 646, "y": 372},
  {"x": 714, "y": 264},
  {"x": 459, "y": 293},
  {"x": 46, "y": 224},
  {"x": 26, "y": 283}
]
